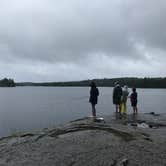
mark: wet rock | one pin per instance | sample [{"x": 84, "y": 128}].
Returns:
[
  {"x": 87, "y": 143},
  {"x": 154, "y": 114},
  {"x": 123, "y": 162},
  {"x": 134, "y": 124},
  {"x": 27, "y": 135}
]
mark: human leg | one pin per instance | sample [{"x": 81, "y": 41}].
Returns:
[
  {"x": 136, "y": 110},
  {"x": 125, "y": 108},
  {"x": 120, "y": 108},
  {"x": 133, "y": 110},
  {"x": 93, "y": 110},
  {"x": 117, "y": 108}
]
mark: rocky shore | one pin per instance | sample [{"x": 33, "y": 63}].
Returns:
[{"x": 133, "y": 140}]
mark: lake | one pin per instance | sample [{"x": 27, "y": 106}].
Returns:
[{"x": 32, "y": 108}]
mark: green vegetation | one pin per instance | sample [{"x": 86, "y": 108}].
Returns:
[
  {"x": 130, "y": 81},
  {"x": 7, "y": 83}
]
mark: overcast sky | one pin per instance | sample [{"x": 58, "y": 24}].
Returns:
[{"x": 63, "y": 40}]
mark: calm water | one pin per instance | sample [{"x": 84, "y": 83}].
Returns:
[{"x": 31, "y": 108}]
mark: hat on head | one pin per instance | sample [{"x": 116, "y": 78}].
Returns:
[{"x": 125, "y": 87}]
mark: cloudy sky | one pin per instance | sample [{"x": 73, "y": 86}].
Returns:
[{"x": 62, "y": 40}]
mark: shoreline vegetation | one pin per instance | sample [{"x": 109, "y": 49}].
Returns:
[
  {"x": 106, "y": 82},
  {"x": 147, "y": 82},
  {"x": 7, "y": 82}
]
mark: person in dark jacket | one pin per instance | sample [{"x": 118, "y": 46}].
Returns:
[
  {"x": 133, "y": 99},
  {"x": 117, "y": 94},
  {"x": 94, "y": 93}
]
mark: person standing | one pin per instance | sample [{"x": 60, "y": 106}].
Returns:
[
  {"x": 125, "y": 94},
  {"x": 133, "y": 99},
  {"x": 94, "y": 93},
  {"x": 117, "y": 94}
]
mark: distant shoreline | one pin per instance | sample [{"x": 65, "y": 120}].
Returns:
[
  {"x": 130, "y": 81},
  {"x": 146, "y": 82}
]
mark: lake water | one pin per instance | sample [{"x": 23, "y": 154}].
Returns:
[{"x": 32, "y": 108}]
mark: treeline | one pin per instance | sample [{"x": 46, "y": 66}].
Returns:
[
  {"x": 7, "y": 83},
  {"x": 130, "y": 81}
]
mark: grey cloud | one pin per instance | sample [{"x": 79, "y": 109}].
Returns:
[
  {"x": 64, "y": 33},
  {"x": 81, "y": 32},
  {"x": 147, "y": 22}
]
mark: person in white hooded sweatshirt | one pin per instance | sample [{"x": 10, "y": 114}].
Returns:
[{"x": 125, "y": 94}]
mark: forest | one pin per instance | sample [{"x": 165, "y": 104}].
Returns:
[
  {"x": 106, "y": 82},
  {"x": 7, "y": 82}
]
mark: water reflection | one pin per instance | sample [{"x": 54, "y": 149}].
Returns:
[{"x": 119, "y": 116}]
